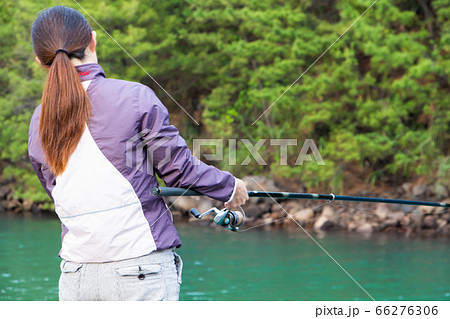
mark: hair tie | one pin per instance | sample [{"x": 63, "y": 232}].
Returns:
[{"x": 61, "y": 50}]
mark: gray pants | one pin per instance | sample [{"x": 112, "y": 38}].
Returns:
[{"x": 156, "y": 276}]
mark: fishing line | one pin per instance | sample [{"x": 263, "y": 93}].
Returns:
[
  {"x": 275, "y": 220},
  {"x": 320, "y": 246},
  {"x": 354, "y": 209}
]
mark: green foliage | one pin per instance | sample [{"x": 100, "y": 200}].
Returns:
[
  {"x": 21, "y": 84},
  {"x": 376, "y": 100}
]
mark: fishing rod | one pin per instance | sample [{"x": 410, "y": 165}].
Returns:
[
  {"x": 232, "y": 220},
  {"x": 173, "y": 191}
]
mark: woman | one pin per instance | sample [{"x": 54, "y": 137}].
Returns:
[{"x": 89, "y": 143}]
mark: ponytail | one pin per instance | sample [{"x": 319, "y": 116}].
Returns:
[
  {"x": 65, "y": 110},
  {"x": 58, "y": 34}
]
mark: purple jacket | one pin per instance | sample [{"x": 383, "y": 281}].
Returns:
[{"x": 103, "y": 198}]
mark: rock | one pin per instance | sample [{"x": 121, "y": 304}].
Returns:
[
  {"x": 438, "y": 210},
  {"x": 441, "y": 191},
  {"x": 446, "y": 230},
  {"x": 277, "y": 208},
  {"x": 406, "y": 208},
  {"x": 406, "y": 220},
  {"x": 441, "y": 223},
  {"x": 406, "y": 187},
  {"x": 343, "y": 219},
  {"x": 417, "y": 218},
  {"x": 316, "y": 208},
  {"x": 10, "y": 196},
  {"x": 253, "y": 211},
  {"x": 266, "y": 215},
  {"x": 35, "y": 208},
  {"x": 395, "y": 219},
  {"x": 429, "y": 222},
  {"x": 27, "y": 204},
  {"x": 278, "y": 214},
  {"x": 12, "y": 204},
  {"x": 267, "y": 219},
  {"x": 419, "y": 190},
  {"x": 255, "y": 207},
  {"x": 292, "y": 206},
  {"x": 265, "y": 207},
  {"x": 345, "y": 216},
  {"x": 426, "y": 209},
  {"x": 323, "y": 223},
  {"x": 389, "y": 222},
  {"x": 257, "y": 210},
  {"x": 382, "y": 211},
  {"x": 364, "y": 228},
  {"x": 328, "y": 211},
  {"x": 397, "y": 216},
  {"x": 351, "y": 226},
  {"x": 326, "y": 219},
  {"x": 4, "y": 191},
  {"x": 303, "y": 215}
]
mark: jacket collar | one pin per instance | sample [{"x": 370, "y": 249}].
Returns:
[{"x": 89, "y": 71}]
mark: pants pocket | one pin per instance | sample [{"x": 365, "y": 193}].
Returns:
[
  {"x": 69, "y": 281},
  {"x": 141, "y": 282}
]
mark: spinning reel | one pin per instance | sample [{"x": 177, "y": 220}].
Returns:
[{"x": 228, "y": 219}]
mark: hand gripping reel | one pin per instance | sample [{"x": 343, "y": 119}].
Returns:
[{"x": 228, "y": 219}]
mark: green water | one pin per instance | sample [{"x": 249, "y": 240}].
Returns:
[{"x": 254, "y": 265}]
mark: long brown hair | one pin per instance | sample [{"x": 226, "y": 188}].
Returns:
[{"x": 65, "y": 106}]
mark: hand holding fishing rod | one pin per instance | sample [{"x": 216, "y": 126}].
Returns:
[{"x": 240, "y": 195}]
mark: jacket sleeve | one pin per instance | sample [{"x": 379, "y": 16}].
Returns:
[
  {"x": 170, "y": 156},
  {"x": 38, "y": 169},
  {"x": 34, "y": 148}
]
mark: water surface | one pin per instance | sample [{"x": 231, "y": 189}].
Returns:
[{"x": 254, "y": 265}]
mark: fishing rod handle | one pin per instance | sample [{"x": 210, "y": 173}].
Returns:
[{"x": 173, "y": 191}]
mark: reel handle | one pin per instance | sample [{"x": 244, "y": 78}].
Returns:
[{"x": 195, "y": 213}]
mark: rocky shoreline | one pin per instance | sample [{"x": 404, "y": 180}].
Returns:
[{"x": 318, "y": 216}]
